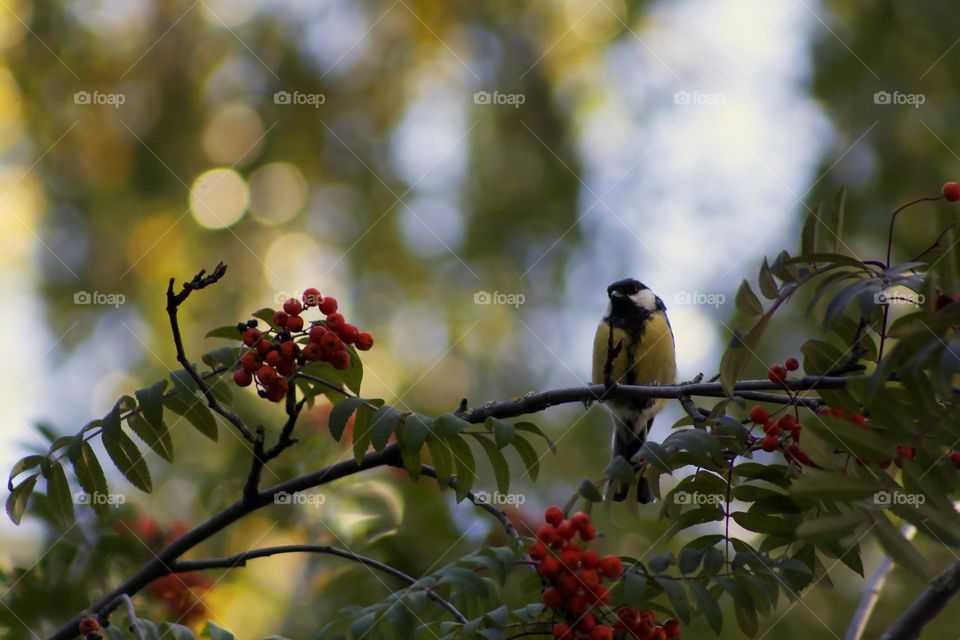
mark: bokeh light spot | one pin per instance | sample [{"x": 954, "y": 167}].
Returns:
[{"x": 218, "y": 198}]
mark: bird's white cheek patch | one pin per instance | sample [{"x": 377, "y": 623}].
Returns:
[{"x": 645, "y": 299}]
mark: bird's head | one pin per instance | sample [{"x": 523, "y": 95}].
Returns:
[{"x": 628, "y": 293}]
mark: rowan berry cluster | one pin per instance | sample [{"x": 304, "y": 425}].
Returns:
[
  {"x": 275, "y": 354},
  {"x": 90, "y": 628},
  {"x": 778, "y": 372},
  {"x": 575, "y": 590}
]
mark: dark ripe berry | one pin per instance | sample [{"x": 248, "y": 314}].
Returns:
[
  {"x": 553, "y": 598},
  {"x": 538, "y": 551},
  {"x": 311, "y": 297},
  {"x": 252, "y": 322},
  {"x": 579, "y": 520},
  {"x": 287, "y": 367},
  {"x": 759, "y": 415},
  {"x": 340, "y": 360},
  {"x": 611, "y": 566},
  {"x": 769, "y": 443},
  {"x": 312, "y": 351},
  {"x": 242, "y": 377},
  {"x": 553, "y": 515},
  {"x": 567, "y": 584},
  {"x": 587, "y": 623},
  {"x": 672, "y": 628},
  {"x": 331, "y": 343},
  {"x": 264, "y": 347},
  {"x": 277, "y": 389},
  {"x": 88, "y": 625},
  {"x": 363, "y": 341},
  {"x": 951, "y": 191},
  {"x": 294, "y": 323},
  {"x": 289, "y": 349},
  {"x": 292, "y": 306},
  {"x": 601, "y": 632},
  {"x": 280, "y": 318},
  {"x": 561, "y": 631},
  {"x": 955, "y": 457},
  {"x": 549, "y": 567},
  {"x": 791, "y": 364},
  {"x": 335, "y": 321},
  {"x": 251, "y": 337},
  {"x": 590, "y": 560},
  {"x": 777, "y": 373},
  {"x": 328, "y": 305},
  {"x": 274, "y": 358},
  {"x": 348, "y": 333},
  {"x": 588, "y": 533},
  {"x": 317, "y": 331},
  {"x": 266, "y": 374},
  {"x": 250, "y": 361}
]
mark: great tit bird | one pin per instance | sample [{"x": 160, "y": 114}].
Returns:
[{"x": 643, "y": 354}]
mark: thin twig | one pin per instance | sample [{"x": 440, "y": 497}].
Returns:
[
  {"x": 871, "y": 594},
  {"x": 508, "y": 527},
  {"x": 893, "y": 219},
  {"x": 125, "y": 600},
  {"x": 240, "y": 560},
  {"x": 174, "y": 300}
]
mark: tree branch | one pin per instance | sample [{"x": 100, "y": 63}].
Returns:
[
  {"x": 240, "y": 560},
  {"x": 174, "y": 300},
  {"x": 511, "y": 531},
  {"x": 871, "y": 594},
  {"x": 926, "y": 607}
]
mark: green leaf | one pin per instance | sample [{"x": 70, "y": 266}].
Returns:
[
  {"x": 708, "y": 604},
  {"x": 465, "y": 463},
  {"x": 150, "y": 400},
  {"x": 808, "y": 237},
  {"x": 829, "y": 527},
  {"x": 19, "y": 495},
  {"x": 340, "y": 415},
  {"x": 265, "y": 314},
  {"x": 839, "y": 204},
  {"x": 528, "y": 456},
  {"x": 449, "y": 425},
  {"x": 815, "y": 486},
  {"x": 22, "y": 465},
  {"x": 382, "y": 425},
  {"x": 529, "y": 427},
  {"x": 157, "y": 439},
  {"x": 501, "y": 470},
  {"x": 503, "y": 431},
  {"x": 90, "y": 475},
  {"x": 213, "y": 632},
  {"x": 633, "y": 587},
  {"x": 230, "y": 332},
  {"x": 902, "y": 552},
  {"x": 733, "y": 362},
  {"x": 178, "y": 631},
  {"x": 196, "y": 413},
  {"x": 677, "y": 596},
  {"x": 58, "y": 491},
  {"x": 442, "y": 459},
  {"x": 747, "y": 301},
  {"x": 590, "y": 492},
  {"x": 764, "y": 524},
  {"x": 768, "y": 285},
  {"x": 124, "y": 453},
  {"x": 224, "y": 357},
  {"x": 361, "y": 431},
  {"x": 414, "y": 432}
]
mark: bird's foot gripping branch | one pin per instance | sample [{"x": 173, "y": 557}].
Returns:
[{"x": 820, "y": 455}]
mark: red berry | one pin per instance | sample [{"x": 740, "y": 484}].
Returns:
[
  {"x": 88, "y": 625},
  {"x": 579, "y": 520},
  {"x": 312, "y": 351},
  {"x": 769, "y": 443},
  {"x": 590, "y": 560},
  {"x": 363, "y": 341},
  {"x": 317, "y": 331},
  {"x": 590, "y": 578},
  {"x": 348, "y": 333},
  {"x": 266, "y": 374},
  {"x": 777, "y": 373},
  {"x": 759, "y": 415},
  {"x": 280, "y": 318},
  {"x": 328, "y": 305},
  {"x": 566, "y": 530},
  {"x": 672, "y": 628},
  {"x": 242, "y": 377},
  {"x": 294, "y": 323},
  {"x": 549, "y": 567},
  {"x": 311, "y": 297},
  {"x": 791, "y": 364},
  {"x": 611, "y": 566},
  {"x": 287, "y": 367},
  {"x": 570, "y": 559},
  {"x": 561, "y": 631},
  {"x": 292, "y": 306},
  {"x": 567, "y": 584},
  {"x": 538, "y": 551},
  {"x": 252, "y": 337},
  {"x": 274, "y": 358},
  {"x": 553, "y": 598},
  {"x": 264, "y": 347},
  {"x": 906, "y": 453},
  {"x": 335, "y": 321},
  {"x": 546, "y": 534},
  {"x": 601, "y": 632},
  {"x": 787, "y": 422},
  {"x": 277, "y": 389},
  {"x": 857, "y": 418},
  {"x": 250, "y": 361},
  {"x": 659, "y": 634},
  {"x": 771, "y": 428},
  {"x": 588, "y": 533},
  {"x": 331, "y": 343},
  {"x": 951, "y": 191},
  {"x": 587, "y": 623},
  {"x": 578, "y": 604},
  {"x": 955, "y": 457},
  {"x": 340, "y": 360},
  {"x": 839, "y": 412},
  {"x": 289, "y": 349}
]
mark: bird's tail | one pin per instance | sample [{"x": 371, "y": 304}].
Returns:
[{"x": 627, "y": 441}]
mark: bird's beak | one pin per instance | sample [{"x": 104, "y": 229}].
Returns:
[{"x": 615, "y": 294}]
